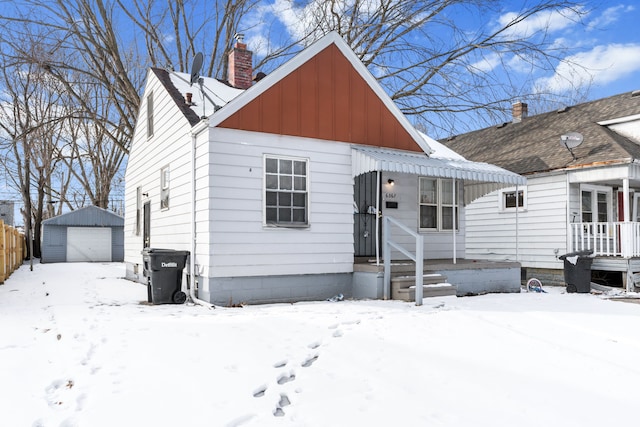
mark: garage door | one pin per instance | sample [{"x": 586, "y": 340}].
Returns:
[{"x": 88, "y": 244}]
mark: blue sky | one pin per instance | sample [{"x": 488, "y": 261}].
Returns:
[{"x": 605, "y": 41}]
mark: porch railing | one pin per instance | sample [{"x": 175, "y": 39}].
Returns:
[
  {"x": 621, "y": 239},
  {"x": 417, "y": 257}
]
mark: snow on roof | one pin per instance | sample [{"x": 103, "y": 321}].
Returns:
[
  {"x": 217, "y": 93},
  {"x": 439, "y": 150}
]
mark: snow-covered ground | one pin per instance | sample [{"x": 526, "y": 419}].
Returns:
[{"x": 77, "y": 348}]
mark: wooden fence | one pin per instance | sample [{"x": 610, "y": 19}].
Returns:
[{"x": 13, "y": 250}]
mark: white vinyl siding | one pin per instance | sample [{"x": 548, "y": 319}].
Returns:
[
  {"x": 146, "y": 159},
  {"x": 239, "y": 243},
  {"x": 542, "y": 228}
]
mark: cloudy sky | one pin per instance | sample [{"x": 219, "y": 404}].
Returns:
[{"x": 604, "y": 43}]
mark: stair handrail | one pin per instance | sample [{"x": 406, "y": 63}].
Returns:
[{"x": 417, "y": 257}]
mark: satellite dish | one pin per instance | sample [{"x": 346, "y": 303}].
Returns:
[
  {"x": 195, "y": 68},
  {"x": 570, "y": 141}
]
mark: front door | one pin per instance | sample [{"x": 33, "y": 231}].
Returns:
[
  {"x": 146, "y": 225},
  {"x": 365, "y": 212}
]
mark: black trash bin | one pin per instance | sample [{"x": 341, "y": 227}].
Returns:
[
  {"x": 163, "y": 269},
  {"x": 577, "y": 271}
]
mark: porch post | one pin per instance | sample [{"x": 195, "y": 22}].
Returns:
[
  {"x": 626, "y": 236},
  {"x": 453, "y": 227}
]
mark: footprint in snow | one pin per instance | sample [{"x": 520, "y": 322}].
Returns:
[
  {"x": 285, "y": 378},
  {"x": 280, "y": 363},
  {"x": 309, "y": 361},
  {"x": 259, "y": 392}
]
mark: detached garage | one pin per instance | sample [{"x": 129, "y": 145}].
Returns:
[{"x": 90, "y": 234}]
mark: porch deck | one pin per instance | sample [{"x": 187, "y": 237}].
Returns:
[{"x": 470, "y": 276}]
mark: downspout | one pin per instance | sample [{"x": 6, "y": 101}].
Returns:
[
  {"x": 195, "y": 131},
  {"x": 378, "y": 215}
]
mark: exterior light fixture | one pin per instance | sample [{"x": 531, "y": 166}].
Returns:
[{"x": 391, "y": 182}]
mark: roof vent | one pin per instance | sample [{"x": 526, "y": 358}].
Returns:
[
  {"x": 563, "y": 109},
  {"x": 501, "y": 125},
  {"x": 635, "y": 93}
]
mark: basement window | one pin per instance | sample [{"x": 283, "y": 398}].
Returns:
[{"x": 286, "y": 184}]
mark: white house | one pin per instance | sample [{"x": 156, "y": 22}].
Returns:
[
  {"x": 582, "y": 193},
  {"x": 278, "y": 187}
]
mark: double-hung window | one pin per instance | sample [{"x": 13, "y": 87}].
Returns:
[
  {"x": 150, "y": 115},
  {"x": 438, "y": 205},
  {"x": 596, "y": 203},
  {"x": 286, "y": 182},
  {"x": 164, "y": 188}
]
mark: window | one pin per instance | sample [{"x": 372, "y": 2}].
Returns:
[
  {"x": 508, "y": 199},
  {"x": 595, "y": 203},
  {"x": 286, "y": 191},
  {"x": 438, "y": 209},
  {"x": 164, "y": 188},
  {"x": 138, "y": 209},
  {"x": 150, "y": 115}
]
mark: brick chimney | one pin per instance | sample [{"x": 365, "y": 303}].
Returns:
[
  {"x": 520, "y": 111},
  {"x": 240, "y": 64}
]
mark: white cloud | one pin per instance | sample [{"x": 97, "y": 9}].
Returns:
[
  {"x": 601, "y": 65},
  {"x": 291, "y": 17},
  {"x": 609, "y": 16},
  {"x": 486, "y": 64},
  {"x": 546, "y": 21}
]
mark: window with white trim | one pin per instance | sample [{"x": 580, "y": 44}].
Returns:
[
  {"x": 508, "y": 199},
  {"x": 286, "y": 188},
  {"x": 164, "y": 188},
  {"x": 438, "y": 209},
  {"x": 596, "y": 203},
  {"x": 150, "y": 115},
  {"x": 138, "y": 209}
]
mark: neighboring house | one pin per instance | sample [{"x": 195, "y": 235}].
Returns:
[
  {"x": 279, "y": 186},
  {"x": 582, "y": 165},
  {"x": 6, "y": 211},
  {"x": 89, "y": 234}
]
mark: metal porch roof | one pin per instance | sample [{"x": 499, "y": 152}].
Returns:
[{"x": 479, "y": 178}]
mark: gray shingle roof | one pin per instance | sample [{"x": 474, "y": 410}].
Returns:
[{"x": 533, "y": 145}]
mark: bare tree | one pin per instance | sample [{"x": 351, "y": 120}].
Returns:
[
  {"x": 31, "y": 117},
  {"x": 436, "y": 68}
]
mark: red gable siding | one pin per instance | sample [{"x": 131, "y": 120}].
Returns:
[{"x": 325, "y": 98}]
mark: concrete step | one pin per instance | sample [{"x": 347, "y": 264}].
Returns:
[
  {"x": 404, "y": 287},
  {"x": 404, "y": 281},
  {"x": 433, "y": 290}
]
